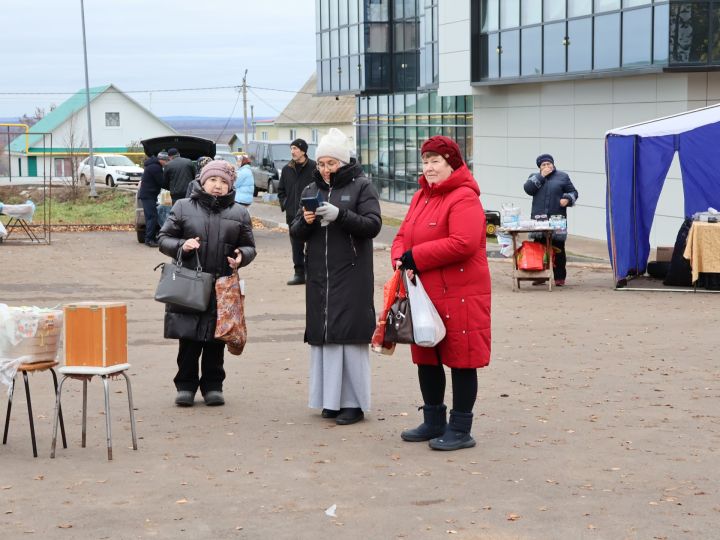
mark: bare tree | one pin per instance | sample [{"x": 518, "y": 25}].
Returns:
[{"x": 73, "y": 142}]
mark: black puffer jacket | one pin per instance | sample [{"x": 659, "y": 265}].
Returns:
[
  {"x": 339, "y": 259},
  {"x": 152, "y": 179},
  {"x": 177, "y": 174},
  {"x": 293, "y": 179},
  {"x": 547, "y": 192},
  {"x": 223, "y": 227}
]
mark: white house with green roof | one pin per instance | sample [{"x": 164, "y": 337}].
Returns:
[{"x": 118, "y": 124}]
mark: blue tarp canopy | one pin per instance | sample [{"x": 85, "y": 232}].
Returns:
[{"x": 637, "y": 159}]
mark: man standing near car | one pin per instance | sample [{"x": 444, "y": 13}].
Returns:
[
  {"x": 150, "y": 186},
  {"x": 293, "y": 178},
  {"x": 178, "y": 174}
]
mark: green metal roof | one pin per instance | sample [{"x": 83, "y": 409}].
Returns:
[{"x": 55, "y": 118}]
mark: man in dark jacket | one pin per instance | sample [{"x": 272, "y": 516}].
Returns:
[
  {"x": 293, "y": 178},
  {"x": 150, "y": 185},
  {"x": 178, "y": 174},
  {"x": 552, "y": 192}
]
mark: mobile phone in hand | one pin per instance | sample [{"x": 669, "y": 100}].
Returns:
[{"x": 311, "y": 203}]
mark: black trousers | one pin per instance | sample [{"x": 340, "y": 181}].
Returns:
[
  {"x": 464, "y": 386},
  {"x": 298, "y": 255},
  {"x": 213, "y": 374},
  {"x": 559, "y": 270},
  {"x": 151, "y": 219}
]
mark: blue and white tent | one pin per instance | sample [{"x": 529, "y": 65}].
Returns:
[{"x": 637, "y": 160}]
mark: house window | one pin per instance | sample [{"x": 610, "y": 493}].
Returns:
[
  {"x": 293, "y": 134},
  {"x": 315, "y": 136},
  {"x": 263, "y": 135},
  {"x": 112, "y": 119}
]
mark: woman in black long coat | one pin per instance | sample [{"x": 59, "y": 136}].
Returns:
[
  {"x": 340, "y": 317},
  {"x": 220, "y": 231}
]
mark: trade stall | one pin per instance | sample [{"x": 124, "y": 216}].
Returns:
[{"x": 637, "y": 160}]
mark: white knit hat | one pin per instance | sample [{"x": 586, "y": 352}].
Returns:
[{"x": 334, "y": 145}]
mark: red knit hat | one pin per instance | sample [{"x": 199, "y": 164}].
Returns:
[{"x": 445, "y": 147}]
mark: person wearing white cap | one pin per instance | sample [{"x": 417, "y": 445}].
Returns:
[{"x": 339, "y": 311}]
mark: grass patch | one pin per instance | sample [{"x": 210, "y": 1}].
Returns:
[
  {"x": 110, "y": 207},
  {"x": 391, "y": 221}
]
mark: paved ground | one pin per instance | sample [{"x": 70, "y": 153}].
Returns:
[{"x": 597, "y": 418}]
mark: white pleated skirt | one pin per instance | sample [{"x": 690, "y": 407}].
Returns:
[{"x": 339, "y": 377}]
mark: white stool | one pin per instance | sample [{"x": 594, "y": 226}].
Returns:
[{"x": 86, "y": 373}]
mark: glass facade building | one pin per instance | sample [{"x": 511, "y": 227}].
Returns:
[
  {"x": 540, "y": 39},
  {"x": 386, "y": 53}
]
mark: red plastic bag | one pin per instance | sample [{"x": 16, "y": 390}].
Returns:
[
  {"x": 393, "y": 288},
  {"x": 531, "y": 256}
]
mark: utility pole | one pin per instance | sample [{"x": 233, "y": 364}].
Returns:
[
  {"x": 252, "y": 121},
  {"x": 244, "y": 91},
  {"x": 93, "y": 193}
]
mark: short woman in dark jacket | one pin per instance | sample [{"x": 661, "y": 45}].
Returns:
[
  {"x": 210, "y": 222},
  {"x": 340, "y": 317}
]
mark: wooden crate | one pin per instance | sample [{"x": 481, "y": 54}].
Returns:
[{"x": 95, "y": 334}]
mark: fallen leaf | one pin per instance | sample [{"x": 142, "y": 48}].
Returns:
[
  {"x": 65, "y": 526},
  {"x": 181, "y": 501},
  {"x": 5, "y": 487},
  {"x": 39, "y": 477},
  {"x": 513, "y": 517}
]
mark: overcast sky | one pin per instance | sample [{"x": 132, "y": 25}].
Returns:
[{"x": 157, "y": 45}]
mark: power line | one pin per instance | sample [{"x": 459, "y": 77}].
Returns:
[{"x": 205, "y": 88}]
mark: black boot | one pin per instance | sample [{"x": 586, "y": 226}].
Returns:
[
  {"x": 457, "y": 433},
  {"x": 298, "y": 279},
  {"x": 433, "y": 425}
]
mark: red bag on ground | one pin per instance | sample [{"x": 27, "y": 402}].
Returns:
[
  {"x": 531, "y": 256},
  {"x": 392, "y": 289}
]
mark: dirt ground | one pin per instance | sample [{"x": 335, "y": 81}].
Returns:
[{"x": 596, "y": 419}]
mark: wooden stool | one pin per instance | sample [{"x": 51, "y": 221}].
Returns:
[
  {"x": 25, "y": 368},
  {"x": 85, "y": 373}
]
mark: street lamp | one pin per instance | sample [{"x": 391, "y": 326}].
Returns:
[{"x": 93, "y": 193}]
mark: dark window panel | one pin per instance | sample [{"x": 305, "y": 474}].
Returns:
[
  {"x": 689, "y": 31},
  {"x": 579, "y": 49},
  {"x": 531, "y": 57},
  {"x": 715, "y": 45},
  {"x": 554, "y": 49},
  {"x": 376, "y": 38},
  {"x": 377, "y": 71},
  {"x": 377, "y": 10},
  {"x": 607, "y": 51},
  {"x": 637, "y": 37},
  {"x": 510, "y": 56}
]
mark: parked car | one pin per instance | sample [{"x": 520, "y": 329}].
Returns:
[
  {"x": 189, "y": 147},
  {"x": 111, "y": 169},
  {"x": 267, "y": 159},
  {"x": 230, "y": 158}
]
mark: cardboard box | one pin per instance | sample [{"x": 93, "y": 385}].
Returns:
[
  {"x": 95, "y": 334},
  {"x": 664, "y": 253}
]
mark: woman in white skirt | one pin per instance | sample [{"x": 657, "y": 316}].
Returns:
[{"x": 339, "y": 312}]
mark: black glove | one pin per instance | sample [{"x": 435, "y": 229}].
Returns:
[{"x": 407, "y": 262}]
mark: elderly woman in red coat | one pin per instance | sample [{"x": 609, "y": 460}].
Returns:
[{"x": 442, "y": 239}]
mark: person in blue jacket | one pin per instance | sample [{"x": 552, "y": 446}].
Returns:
[
  {"x": 244, "y": 185},
  {"x": 552, "y": 192}
]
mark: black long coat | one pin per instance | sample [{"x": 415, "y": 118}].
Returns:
[
  {"x": 339, "y": 259},
  {"x": 223, "y": 227},
  {"x": 293, "y": 179}
]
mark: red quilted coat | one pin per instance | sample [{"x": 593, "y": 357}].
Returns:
[{"x": 445, "y": 228}]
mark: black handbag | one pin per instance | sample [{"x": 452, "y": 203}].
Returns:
[
  {"x": 184, "y": 287},
  {"x": 398, "y": 327}
]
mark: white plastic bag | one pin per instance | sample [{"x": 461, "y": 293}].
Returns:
[{"x": 428, "y": 327}]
